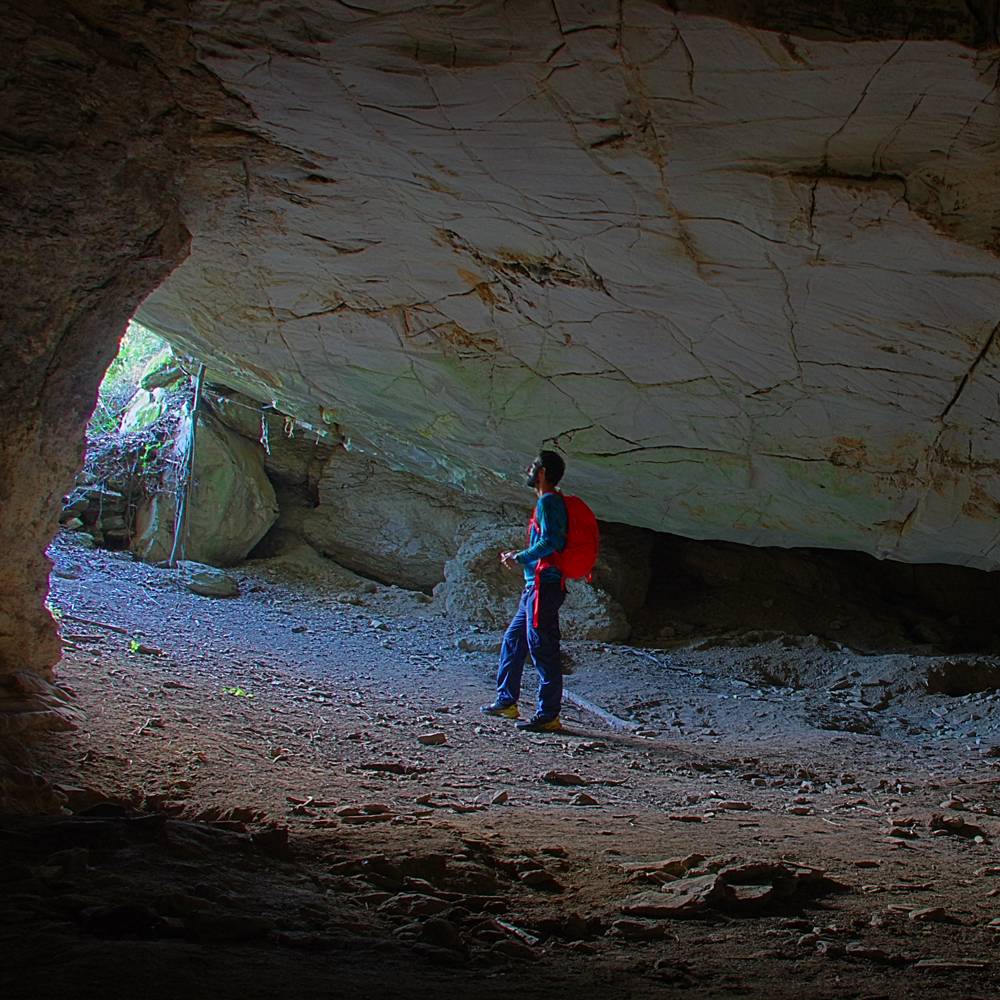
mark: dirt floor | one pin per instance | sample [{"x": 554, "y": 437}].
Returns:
[{"x": 292, "y": 792}]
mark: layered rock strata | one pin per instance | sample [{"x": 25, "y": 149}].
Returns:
[{"x": 744, "y": 275}]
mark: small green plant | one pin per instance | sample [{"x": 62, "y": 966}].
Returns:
[
  {"x": 134, "y": 646},
  {"x": 148, "y": 455},
  {"x": 238, "y": 692}
]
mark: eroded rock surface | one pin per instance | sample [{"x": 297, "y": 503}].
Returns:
[
  {"x": 745, "y": 278},
  {"x": 99, "y": 115}
]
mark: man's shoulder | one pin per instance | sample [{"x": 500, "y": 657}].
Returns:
[{"x": 551, "y": 502}]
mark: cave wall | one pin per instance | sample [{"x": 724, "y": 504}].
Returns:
[{"x": 96, "y": 138}]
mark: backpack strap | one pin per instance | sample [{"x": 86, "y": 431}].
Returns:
[{"x": 549, "y": 562}]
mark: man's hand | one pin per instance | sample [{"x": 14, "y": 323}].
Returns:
[{"x": 508, "y": 560}]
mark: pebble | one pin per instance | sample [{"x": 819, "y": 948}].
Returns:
[
  {"x": 442, "y": 933},
  {"x": 855, "y": 949},
  {"x": 564, "y": 778},
  {"x": 932, "y": 914},
  {"x": 639, "y": 930},
  {"x": 833, "y": 949},
  {"x": 539, "y": 878},
  {"x": 433, "y": 739}
]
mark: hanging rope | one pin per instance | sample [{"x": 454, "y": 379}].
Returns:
[
  {"x": 265, "y": 439},
  {"x": 291, "y": 424}
]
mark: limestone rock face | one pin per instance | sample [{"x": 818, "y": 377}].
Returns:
[
  {"x": 99, "y": 109},
  {"x": 231, "y": 505},
  {"x": 392, "y": 526},
  {"x": 743, "y": 274}
]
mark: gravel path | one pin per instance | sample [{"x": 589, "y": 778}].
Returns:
[{"x": 325, "y": 795}]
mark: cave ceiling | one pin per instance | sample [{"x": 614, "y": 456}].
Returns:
[{"x": 738, "y": 261}]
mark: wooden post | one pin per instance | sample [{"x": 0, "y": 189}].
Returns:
[{"x": 188, "y": 471}]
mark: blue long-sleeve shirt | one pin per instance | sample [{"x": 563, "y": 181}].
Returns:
[{"x": 548, "y": 536}]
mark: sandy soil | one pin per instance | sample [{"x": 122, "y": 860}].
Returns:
[{"x": 251, "y": 809}]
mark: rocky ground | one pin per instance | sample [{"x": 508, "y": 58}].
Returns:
[{"x": 292, "y": 792}]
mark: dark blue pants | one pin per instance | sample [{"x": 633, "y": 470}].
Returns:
[{"x": 522, "y": 638}]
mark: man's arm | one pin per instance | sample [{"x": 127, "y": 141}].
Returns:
[{"x": 550, "y": 513}]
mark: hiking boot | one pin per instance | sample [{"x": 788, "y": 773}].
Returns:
[
  {"x": 502, "y": 710},
  {"x": 539, "y": 724}
]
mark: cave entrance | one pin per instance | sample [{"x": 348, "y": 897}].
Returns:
[{"x": 139, "y": 405}]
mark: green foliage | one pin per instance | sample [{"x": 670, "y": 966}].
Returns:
[
  {"x": 148, "y": 455},
  {"x": 134, "y": 646},
  {"x": 138, "y": 346},
  {"x": 238, "y": 692}
]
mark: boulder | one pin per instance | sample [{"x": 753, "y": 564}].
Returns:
[
  {"x": 92, "y": 503},
  {"x": 294, "y": 455},
  {"x": 392, "y": 526},
  {"x": 207, "y": 580},
  {"x": 231, "y": 504},
  {"x": 478, "y": 589}
]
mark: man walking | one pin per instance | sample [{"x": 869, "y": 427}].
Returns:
[{"x": 535, "y": 626}]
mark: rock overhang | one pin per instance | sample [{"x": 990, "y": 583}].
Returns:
[{"x": 746, "y": 279}]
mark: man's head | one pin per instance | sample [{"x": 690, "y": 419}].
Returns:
[{"x": 553, "y": 465}]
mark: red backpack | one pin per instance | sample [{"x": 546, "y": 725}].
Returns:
[{"x": 576, "y": 561}]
